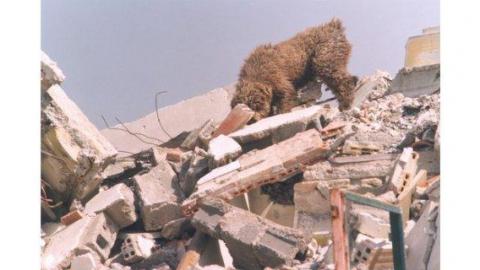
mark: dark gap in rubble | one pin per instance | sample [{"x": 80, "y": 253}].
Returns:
[
  {"x": 176, "y": 141},
  {"x": 258, "y": 144},
  {"x": 282, "y": 192}
]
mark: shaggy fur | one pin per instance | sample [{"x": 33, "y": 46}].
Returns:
[{"x": 271, "y": 73}]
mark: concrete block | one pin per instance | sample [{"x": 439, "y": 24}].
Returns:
[
  {"x": 279, "y": 127},
  {"x": 417, "y": 81},
  {"x": 199, "y": 136},
  {"x": 117, "y": 202},
  {"x": 222, "y": 150},
  {"x": 371, "y": 225},
  {"x": 89, "y": 234},
  {"x": 236, "y": 119},
  {"x": 74, "y": 153},
  {"x": 253, "y": 242},
  {"x": 158, "y": 202},
  {"x": 275, "y": 163},
  {"x": 136, "y": 247},
  {"x": 51, "y": 73},
  {"x": 404, "y": 171}
]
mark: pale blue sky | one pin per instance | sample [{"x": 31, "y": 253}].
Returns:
[{"x": 117, "y": 54}]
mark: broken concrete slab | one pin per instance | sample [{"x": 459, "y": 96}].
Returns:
[
  {"x": 222, "y": 150},
  {"x": 417, "y": 81},
  {"x": 375, "y": 166},
  {"x": 275, "y": 163},
  {"x": 74, "y": 153},
  {"x": 253, "y": 242},
  {"x": 89, "y": 234},
  {"x": 421, "y": 239},
  {"x": 51, "y": 73},
  {"x": 117, "y": 202},
  {"x": 158, "y": 202},
  {"x": 183, "y": 116},
  {"x": 235, "y": 120},
  {"x": 279, "y": 127}
]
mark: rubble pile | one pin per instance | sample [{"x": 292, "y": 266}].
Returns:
[{"x": 214, "y": 199}]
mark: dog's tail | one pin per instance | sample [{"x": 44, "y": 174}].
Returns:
[{"x": 336, "y": 23}]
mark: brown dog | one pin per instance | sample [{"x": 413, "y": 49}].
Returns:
[{"x": 271, "y": 73}]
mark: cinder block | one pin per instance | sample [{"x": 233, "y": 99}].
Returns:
[
  {"x": 118, "y": 203},
  {"x": 158, "y": 202},
  {"x": 89, "y": 234},
  {"x": 136, "y": 247}
]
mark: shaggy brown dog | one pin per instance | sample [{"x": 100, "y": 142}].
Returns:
[{"x": 271, "y": 73}]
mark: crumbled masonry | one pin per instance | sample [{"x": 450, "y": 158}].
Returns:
[{"x": 229, "y": 193}]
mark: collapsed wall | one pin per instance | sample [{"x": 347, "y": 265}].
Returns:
[{"x": 231, "y": 195}]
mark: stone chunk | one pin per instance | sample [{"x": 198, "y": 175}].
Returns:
[
  {"x": 118, "y": 203},
  {"x": 253, "y": 242},
  {"x": 89, "y": 234},
  {"x": 51, "y": 73},
  {"x": 199, "y": 136},
  {"x": 74, "y": 153},
  {"x": 236, "y": 119},
  {"x": 275, "y": 163},
  {"x": 279, "y": 127},
  {"x": 223, "y": 149},
  {"x": 158, "y": 202}
]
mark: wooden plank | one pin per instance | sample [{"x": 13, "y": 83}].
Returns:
[{"x": 339, "y": 235}]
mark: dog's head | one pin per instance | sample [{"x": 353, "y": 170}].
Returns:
[
  {"x": 348, "y": 93},
  {"x": 255, "y": 95}
]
